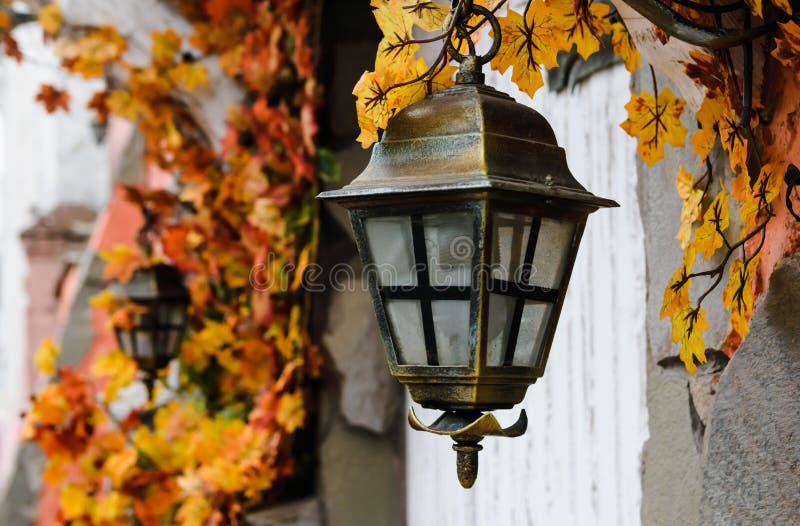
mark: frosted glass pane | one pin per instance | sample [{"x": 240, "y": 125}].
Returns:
[
  {"x": 392, "y": 249},
  {"x": 552, "y": 249},
  {"x": 532, "y": 329},
  {"x": 448, "y": 241},
  {"x": 501, "y": 308},
  {"x": 511, "y": 232},
  {"x": 451, "y": 326},
  {"x": 405, "y": 320}
]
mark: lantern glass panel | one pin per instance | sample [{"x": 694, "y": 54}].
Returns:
[
  {"x": 392, "y": 250},
  {"x": 529, "y": 257},
  {"x": 423, "y": 264},
  {"x": 552, "y": 253},
  {"x": 532, "y": 331},
  {"x": 511, "y": 235},
  {"x": 451, "y": 324},
  {"x": 449, "y": 247},
  {"x": 405, "y": 322}
]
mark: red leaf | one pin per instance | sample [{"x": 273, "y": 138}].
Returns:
[{"x": 53, "y": 98}]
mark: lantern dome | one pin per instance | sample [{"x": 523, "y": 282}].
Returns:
[{"x": 468, "y": 137}]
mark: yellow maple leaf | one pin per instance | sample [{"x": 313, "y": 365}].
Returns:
[
  {"x": 427, "y": 15},
  {"x": 89, "y": 54},
  {"x": 121, "y": 262},
  {"x": 166, "y": 44},
  {"x": 688, "y": 326},
  {"x": 111, "y": 508},
  {"x": 190, "y": 75},
  {"x": 676, "y": 294},
  {"x": 709, "y": 236},
  {"x": 787, "y": 49},
  {"x": 122, "y": 104},
  {"x": 575, "y": 25},
  {"x": 74, "y": 501},
  {"x": 118, "y": 467},
  {"x": 118, "y": 369},
  {"x": 733, "y": 139},
  {"x": 50, "y": 18},
  {"x": 291, "y": 413},
  {"x": 755, "y": 7},
  {"x": 623, "y": 45},
  {"x": 738, "y": 294},
  {"x": 45, "y": 357},
  {"x": 655, "y": 121},
  {"x": 765, "y": 190},
  {"x": 783, "y": 5},
  {"x": 690, "y": 211},
  {"x": 104, "y": 301},
  {"x": 708, "y": 116},
  {"x": 527, "y": 45}
]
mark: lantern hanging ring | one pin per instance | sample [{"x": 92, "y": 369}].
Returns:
[{"x": 471, "y": 63}]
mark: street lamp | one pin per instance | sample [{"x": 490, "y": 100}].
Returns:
[
  {"x": 468, "y": 222},
  {"x": 159, "y": 323}
]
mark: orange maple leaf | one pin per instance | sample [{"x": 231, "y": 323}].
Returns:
[
  {"x": 219, "y": 9},
  {"x": 121, "y": 262},
  {"x": 53, "y": 98}
]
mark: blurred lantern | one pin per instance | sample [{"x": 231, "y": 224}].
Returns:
[
  {"x": 468, "y": 221},
  {"x": 159, "y": 320}
]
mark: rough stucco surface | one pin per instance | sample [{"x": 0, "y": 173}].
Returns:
[{"x": 752, "y": 473}]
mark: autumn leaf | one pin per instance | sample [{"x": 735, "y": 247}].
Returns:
[
  {"x": 5, "y": 21},
  {"x": 50, "y": 18},
  {"x": 580, "y": 24},
  {"x": 121, "y": 262},
  {"x": 428, "y": 16},
  {"x": 74, "y": 501},
  {"x": 706, "y": 70},
  {"x": 291, "y": 413},
  {"x": 710, "y": 235},
  {"x": 118, "y": 369},
  {"x": 787, "y": 48},
  {"x": 765, "y": 190},
  {"x": 166, "y": 45},
  {"x": 708, "y": 116},
  {"x": 733, "y": 139},
  {"x": 190, "y": 75},
  {"x": 526, "y": 45},
  {"x": 45, "y": 357},
  {"x": 755, "y": 7},
  {"x": 98, "y": 103},
  {"x": 738, "y": 294},
  {"x": 218, "y": 10},
  {"x": 655, "y": 121},
  {"x": 690, "y": 211},
  {"x": 623, "y": 45},
  {"x": 89, "y": 54},
  {"x": 783, "y": 5},
  {"x": 688, "y": 326},
  {"x": 11, "y": 47},
  {"x": 53, "y": 98},
  {"x": 676, "y": 294}
]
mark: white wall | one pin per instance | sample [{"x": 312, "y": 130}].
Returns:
[
  {"x": 579, "y": 463},
  {"x": 45, "y": 160}
]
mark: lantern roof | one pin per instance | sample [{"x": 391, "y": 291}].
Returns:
[
  {"x": 160, "y": 282},
  {"x": 469, "y": 137}
]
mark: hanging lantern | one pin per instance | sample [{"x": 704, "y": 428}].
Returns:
[
  {"x": 468, "y": 222},
  {"x": 159, "y": 322}
]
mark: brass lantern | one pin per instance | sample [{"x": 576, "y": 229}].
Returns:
[
  {"x": 468, "y": 222},
  {"x": 155, "y": 338}
]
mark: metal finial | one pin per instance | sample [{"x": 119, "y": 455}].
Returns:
[{"x": 467, "y": 428}]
